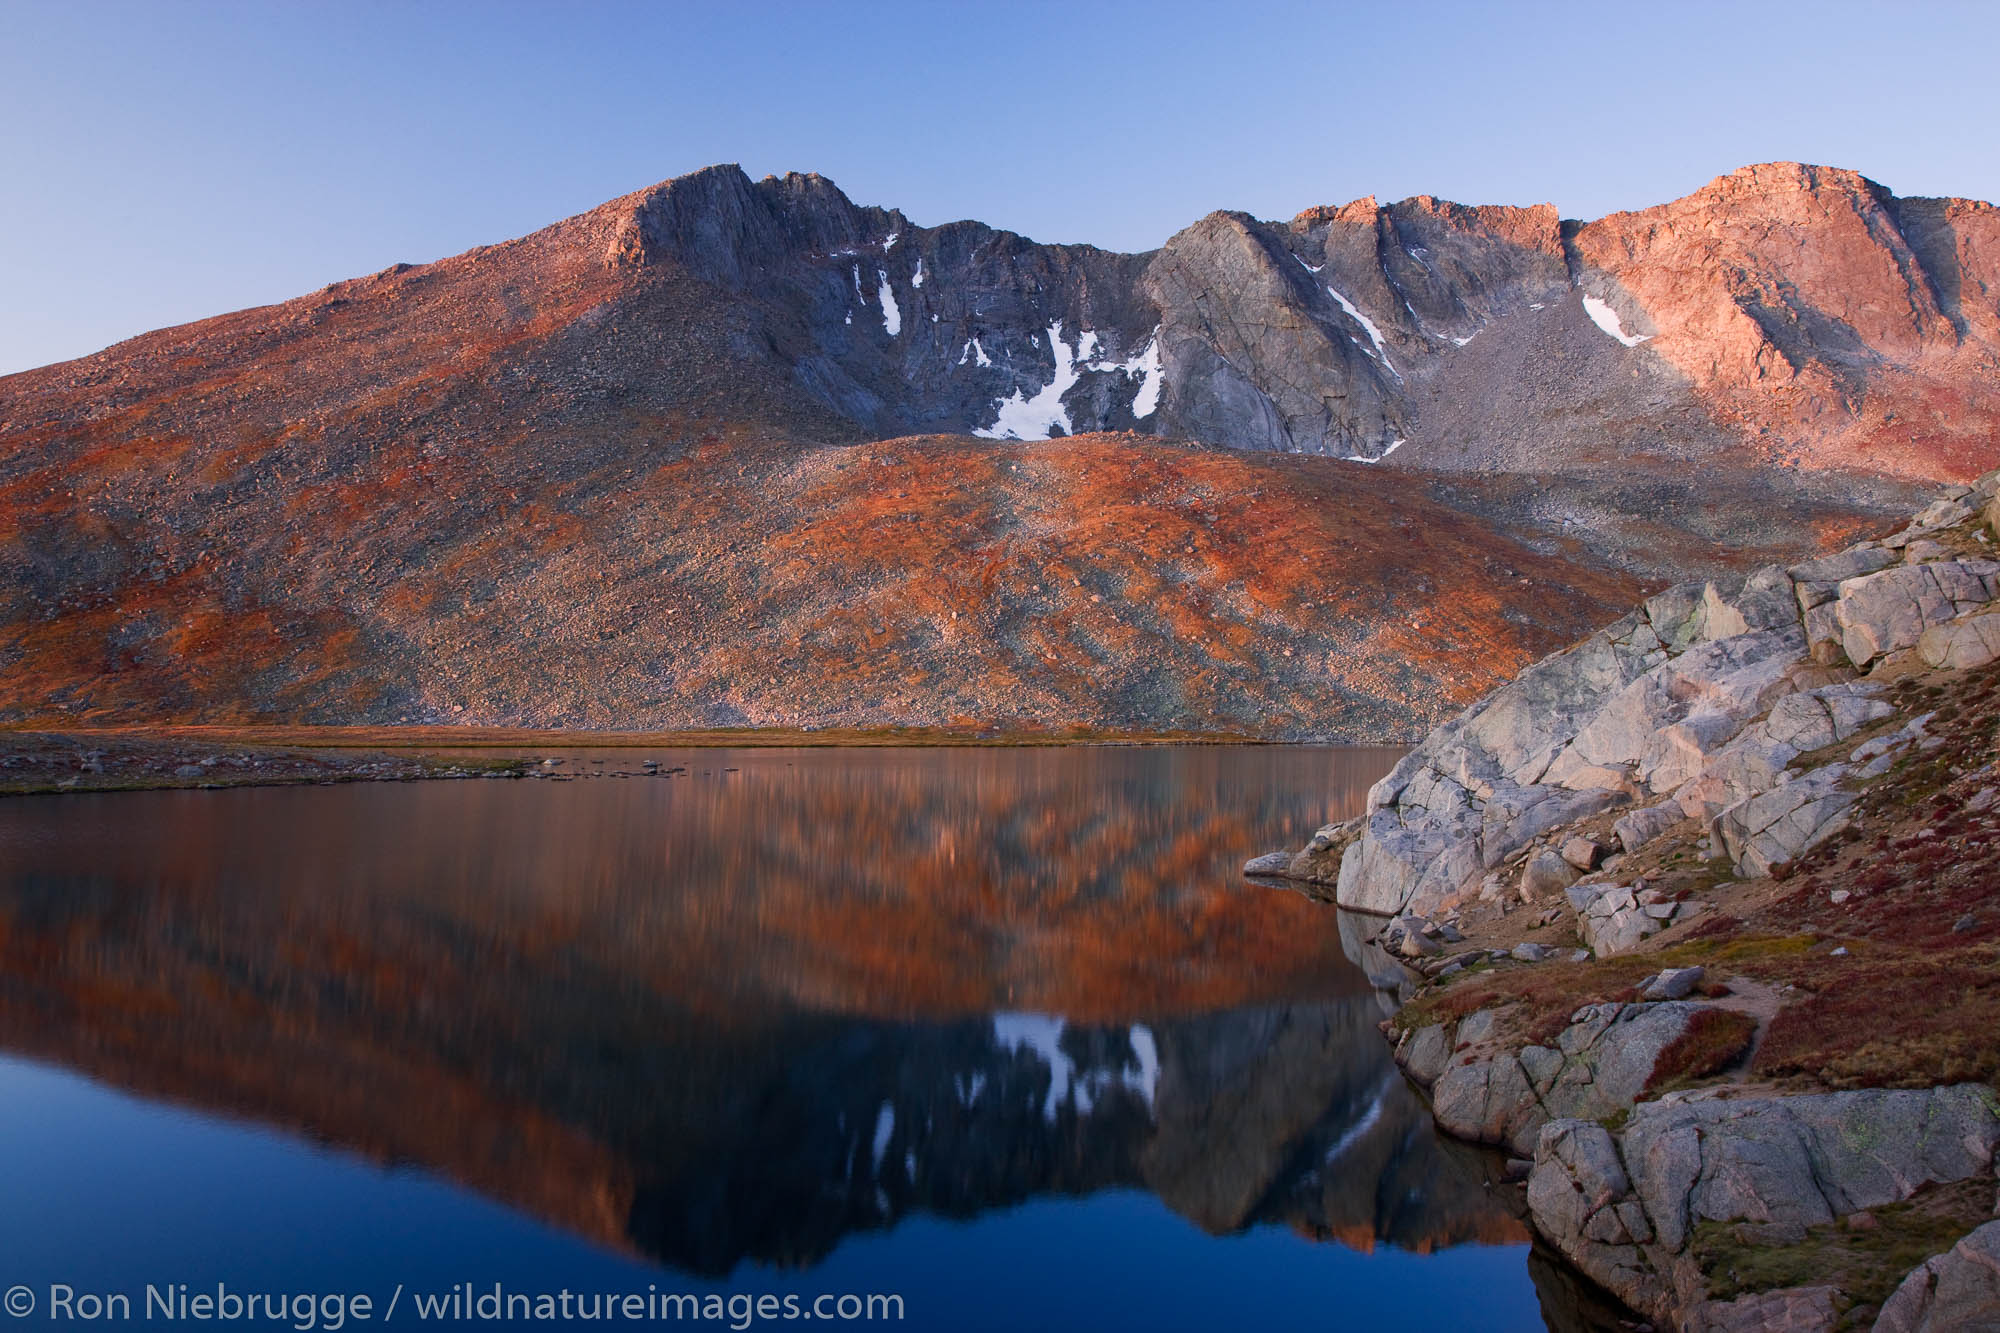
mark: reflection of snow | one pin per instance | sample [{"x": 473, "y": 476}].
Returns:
[
  {"x": 1042, "y": 1034},
  {"x": 1353, "y": 1133},
  {"x": 885, "y": 1126}
]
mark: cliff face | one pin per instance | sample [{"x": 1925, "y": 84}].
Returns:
[{"x": 601, "y": 475}]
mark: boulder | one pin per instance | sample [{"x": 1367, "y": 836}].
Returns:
[
  {"x": 1883, "y": 612},
  {"x": 1582, "y": 852},
  {"x": 1819, "y": 580},
  {"x": 1425, "y": 1053},
  {"x": 1791, "y": 1161},
  {"x": 1673, "y": 983},
  {"x": 1270, "y": 864},
  {"x": 1598, "y": 1067},
  {"x": 1544, "y": 874},
  {"x": 1958, "y": 1290},
  {"x": 1611, "y": 919},
  {"x": 1489, "y": 1101},
  {"x": 1962, "y": 644},
  {"x": 1642, "y": 826},
  {"x": 1666, "y": 718},
  {"x": 1781, "y": 824},
  {"x": 1786, "y": 1310}
]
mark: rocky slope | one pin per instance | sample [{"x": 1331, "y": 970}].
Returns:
[
  {"x": 1702, "y": 914},
  {"x": 606, "y": 475}
]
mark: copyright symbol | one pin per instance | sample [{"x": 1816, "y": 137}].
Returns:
[{"x": 20, "y": 1302}]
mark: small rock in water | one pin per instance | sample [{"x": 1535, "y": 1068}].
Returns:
[{"x": 1270, "y": 863}]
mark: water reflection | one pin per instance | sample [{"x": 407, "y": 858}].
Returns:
[{"x": 749, "y": 1011}]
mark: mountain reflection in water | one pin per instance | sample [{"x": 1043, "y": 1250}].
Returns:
[{"x": 744, "y": 1012}]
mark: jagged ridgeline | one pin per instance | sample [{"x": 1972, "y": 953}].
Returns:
[
  {"x": 736, "y": 453},
  {"x": 1352, "y": 331}
]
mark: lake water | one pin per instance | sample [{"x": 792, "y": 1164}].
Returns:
[{"x": 998, "y": 1032}]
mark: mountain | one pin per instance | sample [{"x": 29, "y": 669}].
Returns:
[{"x": 725, "y": 452}]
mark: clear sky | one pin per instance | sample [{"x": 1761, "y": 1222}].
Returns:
[{"x": 167, "y": 160}]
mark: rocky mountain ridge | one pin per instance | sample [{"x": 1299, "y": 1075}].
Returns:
[{"x": 606, "y": 474}]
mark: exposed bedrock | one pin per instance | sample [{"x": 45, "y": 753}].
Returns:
[{"x": 1699, "y": 704}]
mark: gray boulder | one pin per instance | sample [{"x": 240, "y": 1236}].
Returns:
[
  {"x": 1785, "y": 822},
  {"x": 1544, "y": 874},
  {"x": 1612, "y": 919},
  {"x": 1961, "y": 645},
  {"x": 1957, "y": 1291},
  {"x": 1270, "y": 863},
  {"x": 1883, "y": 612},
  {"x": 1599, "y": 1066},
  {"x": 1640, "y": 827},
  {"x": 1790, "y": 1161},
  {"x": 1673, "y": 983},
  {"x": 1786, "y": 1310},
  {"x": 1582, "y": 852}
]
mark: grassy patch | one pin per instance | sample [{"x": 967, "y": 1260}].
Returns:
[
  {"x": 1546, "y": 994},
  {"x": 1865, "y": 1264},
  {"x": 1714, "y": 1040},
  {"x": 1913, "y": 1021}
]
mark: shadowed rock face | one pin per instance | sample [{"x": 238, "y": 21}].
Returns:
[
  {"x": 608, "y": 1005},
  {"x": 602, "y": 475}
]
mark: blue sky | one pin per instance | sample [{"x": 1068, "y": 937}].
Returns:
[{"x": 165, "y": 161}]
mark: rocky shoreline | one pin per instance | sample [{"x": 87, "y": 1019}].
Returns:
[{"x": 1700, "y": 920}]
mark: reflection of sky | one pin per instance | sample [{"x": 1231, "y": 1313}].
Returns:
[
  {"x": 800, "y": 1004},
  {"x": 107, "y": 1192}
]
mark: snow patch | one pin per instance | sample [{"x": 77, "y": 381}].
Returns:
[
  {"x": 858, "y": 293},
  {"x": 890, "y": 244},
  {"x": 1367, "y": 326},
  {"x": 1467, "y": 338},
  {"x": 892, "y": 315},
  {"x": 1394, "y": 445},
  {"x": 1310, "y": 268},
  {"x": 1082, "y": 1089},
  {"x": 1017, "y": 417},
  {"x": 1604, "y": 317},
  {"x": 918, "y": 280},
  {"x": 1145, "y": 363}
]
